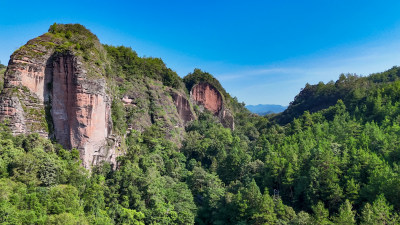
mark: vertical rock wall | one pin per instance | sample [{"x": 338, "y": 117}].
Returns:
[
  {"x": 50, "y": 93},
  {"x": 80, "y": 109},
  {"x": 207, "y": 96},
  {"x": 183, "y": 107},
  {"x": 21, "y": 101}
]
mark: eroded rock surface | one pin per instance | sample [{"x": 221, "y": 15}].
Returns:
[
  {"x": 183, "y": 107},
  {"x": 53, "y": 91},
  {"x": 80, "y": 109},
  {"x": 207, "y": 96},
  {"x": 50, "y": 93},
  {"x": 149, "y": 102}
]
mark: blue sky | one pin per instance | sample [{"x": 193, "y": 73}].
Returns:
[{"x": 263, "y": 52}]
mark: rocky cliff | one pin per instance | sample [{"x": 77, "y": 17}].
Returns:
[
  {"x": 50, "y": 92},
  {"x": 80, "y": 109},
  {"x": 207, "y": 96},
  {"x": 68, "y": 87}
]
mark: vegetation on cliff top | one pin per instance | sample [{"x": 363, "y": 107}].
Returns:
[
  {"x": 78, "y": 39},
  {"x": 127, "y": 65},
  {"x": 199, "y": 76}
]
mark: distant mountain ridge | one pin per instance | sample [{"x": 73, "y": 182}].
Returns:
[{"x": 264, "y": 109}]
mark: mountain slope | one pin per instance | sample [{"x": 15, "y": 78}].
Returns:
[{"x": 352, "y": 89}]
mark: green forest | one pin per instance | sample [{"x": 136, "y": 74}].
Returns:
[{"x": 333, "y": 157}]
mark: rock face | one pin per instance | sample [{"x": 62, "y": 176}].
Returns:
[
  {"x": 183, "y": 107},
  {"x": 226, "y": 118},
  {"x": 149, "y": 102},
  {"x": 207, "y": 96},
  {"x": 50, "y": 93},
  {"x": 80, "y": 109},
  {"x": 22, "y": 99}
]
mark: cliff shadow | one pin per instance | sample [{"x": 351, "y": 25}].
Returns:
[
  {"x": 47, "y": 95},
  {"x": 60, "y": 89}
]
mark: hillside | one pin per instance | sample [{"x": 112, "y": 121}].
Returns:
[
  {"x": 95, "y": 134},
  {"x": 355, "y": 91}
]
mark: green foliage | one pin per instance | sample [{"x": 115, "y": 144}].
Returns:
[
  {"x": 118, "y": 116},
  {"x": 127, "y": 65},
  {"x": 76, "y": 39},
  {"x": 69, "y": 30},
  {"x": 321, "y": 215},
  {"x": 334, "y": 159},
  {"x": 346, "y": 215},
  {"x": 37, "y": 185},
  {"x": 199, "y": 76},
  {"x": 378, "y": 213},
  {"x": 362, "y": 95}
]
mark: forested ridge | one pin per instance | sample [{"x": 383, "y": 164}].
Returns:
[{"x": 333, "y": 157}]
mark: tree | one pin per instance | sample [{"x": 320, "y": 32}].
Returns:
[
  {"x": 321, "y": 214},
  {"x": 346, "y": 214},
  {"x": 380, "y": 212}
]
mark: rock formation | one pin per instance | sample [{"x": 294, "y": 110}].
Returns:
[
  {"x": 183, "y": 107},
  {"x": 50, "y": 93},
  {"x": 207, "y": 96},
  {"x": 80, "y": 109},
  {"x": 149, "y": 102},
  {"x": 54, "y": 88}
]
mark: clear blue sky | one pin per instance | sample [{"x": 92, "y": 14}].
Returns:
[{"x": 261, "y": 51}]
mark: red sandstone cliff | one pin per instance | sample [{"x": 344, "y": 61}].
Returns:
[
  {"x": 80, "y": 109},
  {"x": 207, "y": 96},
  {"x": 50, "y": 93}
]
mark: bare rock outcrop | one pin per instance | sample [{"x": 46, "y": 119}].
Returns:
[
  {"x": 206, "y": 95},
  {"x": 50, "y": 93},
  {"x": 80, "y": 109},
  {"x": 183, "y": 107}
]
